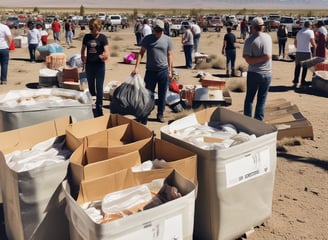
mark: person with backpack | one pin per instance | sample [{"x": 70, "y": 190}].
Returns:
[{"x": 282, "y": 34}]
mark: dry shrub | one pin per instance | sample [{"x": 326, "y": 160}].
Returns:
[
  {"x": 114, "y": 54},
  {"x": 115, "y": 47},
  {"x": 80, "y": 36},
  {"x": 236, "y": 84},
  {"x": 117, "y": 38},
  {"x": 293, "y": 141},
  {"x": 242, "y": 67},
  {"x": 219, "y": 63},
  {"x": 203, "y": 65}
]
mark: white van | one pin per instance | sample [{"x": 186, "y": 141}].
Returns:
[{"x": 115, "y": 20}]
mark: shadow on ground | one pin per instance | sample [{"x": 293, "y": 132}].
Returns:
[{"x": 313, "y": 161}]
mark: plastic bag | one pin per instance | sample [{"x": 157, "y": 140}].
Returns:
[{"x": 132, "y": 97}]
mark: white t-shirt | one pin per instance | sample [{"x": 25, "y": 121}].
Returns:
[
  {"x": 4, "y": 31},
  {"x": 146, "y": 30},
  {"x": 303, "y": 38},
  {"x": 195, "y": 29}
]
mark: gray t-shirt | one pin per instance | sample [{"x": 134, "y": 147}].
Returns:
[
  {"x": 157, "y": 51},
  {"x": 256, "y": 46}
]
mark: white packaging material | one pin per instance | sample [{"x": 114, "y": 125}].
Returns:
[{"x": 21, "y": 108}]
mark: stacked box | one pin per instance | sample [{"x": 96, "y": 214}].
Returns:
[
  {"x": 235, "y": 185},
  {"x": 56, "y": 61}
]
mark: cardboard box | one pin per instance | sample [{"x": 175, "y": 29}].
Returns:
[
  {"x": 33, "y": 208},
  {"x": 56, "y": 60},
  {"x": 288, "y": 119},
  {"x": 171, "y": 220},
  {"x": 234, "y": 193},
  {"x": 37, "y": 109},
  {"x": 81, "y": 129},
  {"x": 93, "y": 162},
  {"x": 211, "y": 96},
  {"x": 109, "y": 143},
  {"x": 210, "y": 81}
]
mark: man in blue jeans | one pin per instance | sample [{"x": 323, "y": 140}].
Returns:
[
  {"x": 257, "y": 52},
  {"x": 5, "y": 40},
  {"x": 158, "y": 65}
]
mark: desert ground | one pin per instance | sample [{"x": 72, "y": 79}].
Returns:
[{"x": 300, "y": 196}]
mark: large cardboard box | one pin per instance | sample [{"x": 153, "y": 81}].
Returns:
[
  {"x": 235, "y": 185},
  {"x": 288, "y": 119},
  {"x": 21, "y": 108},
  {"x": 93, "y": 162},
  {"x": 109, "y": 143},
  {"x": 172, "y": 220},
  {"x": 33, "y": 207},
  {"x": 81, "y": 129}
]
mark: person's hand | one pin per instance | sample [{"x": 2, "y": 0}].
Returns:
[
  {"x": 134, "y": 71},
  {"x": 103, "y": 57}
]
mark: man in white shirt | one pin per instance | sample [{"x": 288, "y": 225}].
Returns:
[
  {"x": 196, "y": 31},
  {"x": 5, "y": 40},
  {"x": 303, "y": 42},
  {"x": 146, "y": 30}
]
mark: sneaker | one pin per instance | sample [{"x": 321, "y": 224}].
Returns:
[
  {"x": 3, "y": 82},
  {"x": 305, "y": 84},
  {"x": 160, "y": 119}
]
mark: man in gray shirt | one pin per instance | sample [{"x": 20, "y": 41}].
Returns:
[
  {"x": 158, "y": 65},
  {"x": 257, "y": 52}
]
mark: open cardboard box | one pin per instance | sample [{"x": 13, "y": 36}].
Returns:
[
  {"x": 93, "y": 162},
  {"x": 169, "y": 220},
  {"x": 81, "y": 129},
  {"x": 288, "y": 119},
  {"x": 33, "y": 208}
]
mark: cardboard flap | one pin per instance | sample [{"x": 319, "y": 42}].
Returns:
[
  {"x": 105, "y": 167},
  {"x": 26, "y": 137},
  {"x": 96, "y": 189},
  {"x": 109, "y": 137}
]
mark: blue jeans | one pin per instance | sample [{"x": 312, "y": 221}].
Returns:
[
  {"x": 4, "y": 60},
  {"x": 256, "y": 83},
  {"x": 161, "y": 78},
  {"x": 96, "y": 76},
  {"x": 32, "y": 49},
  {"x": 230, "y": 58},
  {"x": 196, "y": 42},
  {"x": 188, "y": 55}
]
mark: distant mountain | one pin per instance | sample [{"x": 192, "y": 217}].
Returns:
[{"x": 185, "y": 4}]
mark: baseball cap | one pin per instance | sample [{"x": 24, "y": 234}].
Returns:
[
  {"x": 257, "y": 21},
  {"x": 159, "y": 24}
]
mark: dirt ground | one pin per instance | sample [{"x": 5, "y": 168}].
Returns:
[{"x": 300, "y": 196}]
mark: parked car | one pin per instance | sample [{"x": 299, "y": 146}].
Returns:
[
  {"x": 273, "y": 22},
  {"x": 12, "y": 22}
]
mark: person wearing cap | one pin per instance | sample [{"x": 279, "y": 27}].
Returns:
[
  {"x": 258, "y": 53},
  {"x": 158, "y": 65},
  {"x": 303, "y": 42}
]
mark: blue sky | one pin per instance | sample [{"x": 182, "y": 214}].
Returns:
[{"x": 218, "y": 4}]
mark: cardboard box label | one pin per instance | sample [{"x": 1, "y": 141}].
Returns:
[
  {"x": 158, "y": 230},
  {"x": 247, "y": 167}
]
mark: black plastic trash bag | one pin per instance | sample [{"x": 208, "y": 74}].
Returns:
[{"x": 133, "y": 98}]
